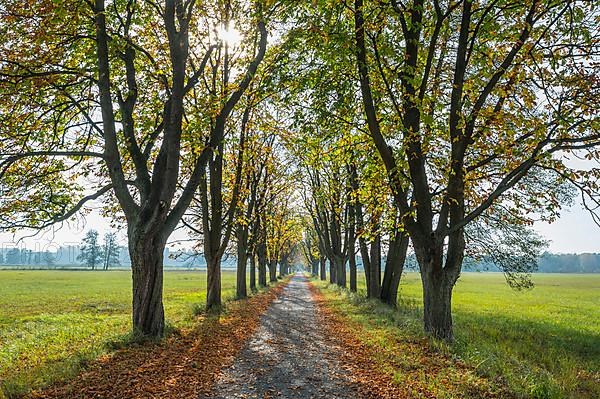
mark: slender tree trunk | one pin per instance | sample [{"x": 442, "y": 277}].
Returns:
[
  {"x": 273, "y": 270},
  {"x": 147, "y": 269},
  {"x": 315, "y": 267},
  {"x": 366, "y": 261},
  {"x": 394, "y": 265},
  {"x": 352, "y": 248},
  {"x": 242, "y": 260},
  {"x": 213, "y": 284},
  {"x": 262, "y": 267},
  {"x": 332, "y": 270},
  {"x": 282, "y": 269},
  {"x": 252, "y": 272},
  {"x": 352, "y": 264},
  {"x": 375, "y": 268},
  {"x": 323, "y": 268}
]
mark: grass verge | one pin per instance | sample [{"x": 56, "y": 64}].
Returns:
[
  {"x": 537, "y": 344},
  {"x": 54, "y": 324}
]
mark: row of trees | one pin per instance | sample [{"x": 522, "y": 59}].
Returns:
[
  {"x": 448, "y": 124},
  {"x": 16, "y": 256},
  {"x": 102, "y": 255},
  {"x": 155, "y": 108},
  {"x": 442, "y": 123}
]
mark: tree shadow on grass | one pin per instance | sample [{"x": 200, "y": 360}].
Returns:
[
  {"x": 543, "y": 359},
  {"x": 493, "y": 356},
  {"x": 183, "y": 365}
]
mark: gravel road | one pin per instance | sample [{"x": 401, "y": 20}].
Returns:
[{"x": 288, "y": 356}]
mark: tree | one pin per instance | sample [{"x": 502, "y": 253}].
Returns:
[
  {"x": 90, "y": 251},
  {"x": 13, "y": 256},
  {"x": 310, "y": 247},
  {"x": 110, "y": 251},
  {"x": 479, "y": 99},
  {"x": 49, "y": 258},
  {"x": 136, "y": 66}
]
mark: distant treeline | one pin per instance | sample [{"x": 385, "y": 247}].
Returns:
[
  {"x": 70, "y": 257},
  {"x": 569, "y": 263},
  {"x": 550, "y": 263}
]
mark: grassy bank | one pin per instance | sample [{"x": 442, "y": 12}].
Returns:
[
  {"x": 541, "y": 343},
  {"x": 53, "y": 322}
]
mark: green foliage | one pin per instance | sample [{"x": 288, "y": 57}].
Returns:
[{"x": 91, "y": 252}]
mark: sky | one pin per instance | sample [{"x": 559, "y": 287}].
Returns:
[{"x": 573, "y": 232}]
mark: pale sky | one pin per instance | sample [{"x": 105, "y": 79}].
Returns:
[{"x": 574, "y": 232}]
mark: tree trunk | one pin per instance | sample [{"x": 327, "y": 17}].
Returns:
[
  {"x": 394, "y": 265},
  {"x": 147, "y": 269},
  {"x": 282, "y": 269},
  {"x": 242, "y": 260},
  {"x": 340, "y": 271},
  {"x": 366, "y": 261},
  {"x": 332, "y": 277},
  {"x": 315, "y": 267},
  {"x": 375, "y": 268},
  {"x": 323, "y": 268},
  {"x": 437, "y": 305},
  {"x": 213, "y": 284},
  {"x": 262, "y": 266},
  {"x": 252, "y": 272},
  {"x": 352, "y": 263},
  {"x": 272, "y": 270},
  {"x": 438, "y": 281}
]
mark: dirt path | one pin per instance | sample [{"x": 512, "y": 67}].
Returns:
[{"x": 288, "y": 357}]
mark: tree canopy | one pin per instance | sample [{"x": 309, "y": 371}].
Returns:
[{"x": 354, "y": 127}]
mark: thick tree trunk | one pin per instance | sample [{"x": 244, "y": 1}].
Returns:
[
  {"x": 394, "y": 265},
  {"x": 242, "y": 260},
  {"x": 147, "y": 269},
  {"x": 437, "y": 305},
  {"x": 438, "y": 281},
  {"x": 323, "y": 268},
  {"x": 340, "y": 271},
  {"x": 213, "y": 283},
  {"x": 262, "y": 274},
  {"x": 332, "y": 270},
  {"x": 252, "y": 272},
  {"x": 272, "y": 270}
]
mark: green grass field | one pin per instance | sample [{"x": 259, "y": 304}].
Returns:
[
  {"x": 53, "y": 322},
  {"x": 540, "y": 343}
]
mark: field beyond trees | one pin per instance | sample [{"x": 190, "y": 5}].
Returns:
[
  {"x": 53, "y": 322},
  {"x": 542, "y": 343},
  {"x": 539, "y": 343}
]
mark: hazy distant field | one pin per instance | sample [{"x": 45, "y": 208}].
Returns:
[
  {"x": 543, "y": 343},
  {"x": 51, "y": 322}
]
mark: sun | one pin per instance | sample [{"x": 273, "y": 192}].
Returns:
[{"x": 231, "y": 36}]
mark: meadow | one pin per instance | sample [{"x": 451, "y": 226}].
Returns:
[
  {"x": 53, "y": 322},
  {"x": 538, "y": 343}
]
